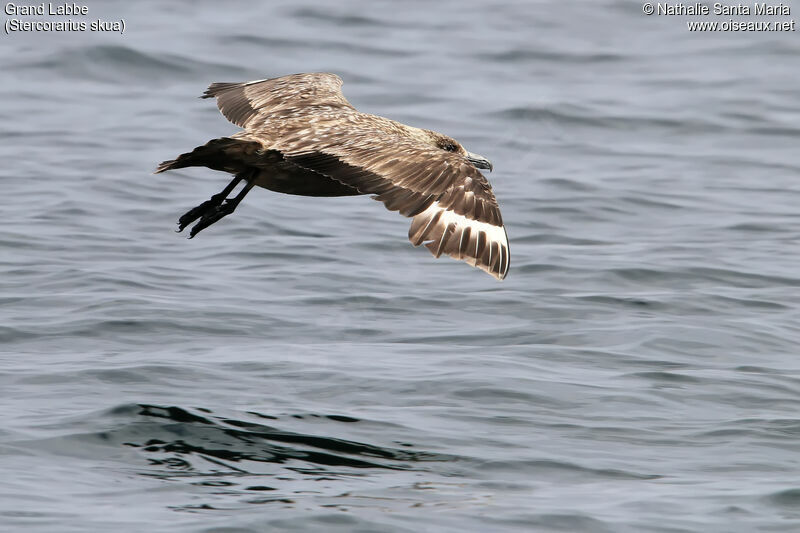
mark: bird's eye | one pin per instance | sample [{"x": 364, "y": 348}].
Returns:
[{"x": 450, "y": 147}]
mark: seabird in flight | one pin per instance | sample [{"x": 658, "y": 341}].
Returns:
[{"x": 301, "y": 136}]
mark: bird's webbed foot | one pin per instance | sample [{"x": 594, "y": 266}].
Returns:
[
  {"x": 212, "y": 214},
  {"x": 214, "y": 209},
  {"x": 209, "y": 206}
]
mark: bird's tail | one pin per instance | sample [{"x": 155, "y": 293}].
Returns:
[
  {"x": 167, "y": 165},
  {"x": 217, "y": 154}
]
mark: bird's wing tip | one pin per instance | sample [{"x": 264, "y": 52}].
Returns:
[
  {"x": 217, "y": 87},
  {"x": 480, "y": 244}
]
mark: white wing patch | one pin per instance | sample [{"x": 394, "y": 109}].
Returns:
[{"x": 478, "y": 243}]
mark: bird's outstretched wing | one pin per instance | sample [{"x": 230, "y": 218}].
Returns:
[
  {"x": 307, "y": 119},
  {"x": 251, "y": 103},
  {"x": 453, "y": 208}
]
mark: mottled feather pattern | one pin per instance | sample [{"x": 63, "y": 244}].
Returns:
[
  {"x": 306, "y": 119},
  {"x": 246, "y": 104}
]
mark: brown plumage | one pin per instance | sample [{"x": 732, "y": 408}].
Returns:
[{"x": 301, "y": 136}]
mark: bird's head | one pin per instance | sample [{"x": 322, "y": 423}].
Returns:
[{"x": 448, "y": 144}]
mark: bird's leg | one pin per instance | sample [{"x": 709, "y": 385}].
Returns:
[
  {"x": 207, "y": 206},
  {"x": 226, "y": 207}
]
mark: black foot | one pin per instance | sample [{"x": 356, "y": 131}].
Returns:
[
  {"x": 211, "y": 215},
  {"x": 209, "y": 206}
]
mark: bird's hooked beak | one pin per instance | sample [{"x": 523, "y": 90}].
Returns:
[{"x": 478, "y": 161}]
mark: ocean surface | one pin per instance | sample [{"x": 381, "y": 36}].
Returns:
[{"x": 299, "y": 366}]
